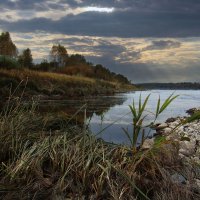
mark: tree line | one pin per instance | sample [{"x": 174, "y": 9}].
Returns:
[
  {"x": 167, "y": 86},
  {"x": 60, "y": 61}
]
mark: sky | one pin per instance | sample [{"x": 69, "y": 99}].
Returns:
[{"x": 145, "y": 40}]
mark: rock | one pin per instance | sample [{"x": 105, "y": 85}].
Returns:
[
  {"x": 161, "y": 126},
  {"x": 169, "y": 137},
  {"x": 181, "y": 155},
  {"x": 185, "y": 138},
  {"x": 148, "y": 144},
  {"x": 192, "y": 111},
  {"x": 170, "y": 120},
  {"x": 174, "y": 124},
  {"x": 198, "y": 138},
  {"x": 180, "y": 129},
  {"x": 187, "y": 148},
  {"x": 167, "y": 131},
  {"x": 178, "y": 178},
  {"x": 196, "y": 186},
  {"x": 196, "y": 159},
  {"x": 186, "y": 152}
]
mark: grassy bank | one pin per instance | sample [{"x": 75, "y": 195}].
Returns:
[
  {"x": 54, "y": 84},
  {"x": 68, "y": 162}
]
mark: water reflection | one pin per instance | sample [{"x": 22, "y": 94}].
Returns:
[
  {"x": 92, "y": 106},
  {"x": 111, "y": 113}
]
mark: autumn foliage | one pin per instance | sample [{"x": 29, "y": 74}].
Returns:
[{"x": 59, "y": 62}]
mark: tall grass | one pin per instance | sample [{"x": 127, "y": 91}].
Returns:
[{"x": 139, "y": 116}]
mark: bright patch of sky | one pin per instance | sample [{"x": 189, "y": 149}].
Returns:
[{"x": 98, "y": 9}]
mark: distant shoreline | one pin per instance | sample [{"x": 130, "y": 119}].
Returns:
[{"x": 167, "y": 86}]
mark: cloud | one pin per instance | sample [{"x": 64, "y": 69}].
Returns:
[
  {"x": 151, "y": 72},
  {"x": 145, "y": 18},
  {"x": 162, "y": 45}
]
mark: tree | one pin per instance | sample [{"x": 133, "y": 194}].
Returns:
[
  {"x": 44, "y": 65},
  {"x": 76, "y": 59},
  {"x": 59, "y": 55},
  {"x": 7, "y": 47},
  {"x": 25, "y": 59}
]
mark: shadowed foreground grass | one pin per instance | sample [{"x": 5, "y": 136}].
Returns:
[{"x": 39, "y": 162}]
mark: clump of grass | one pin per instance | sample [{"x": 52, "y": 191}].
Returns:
[{"x": 138, "y": 118}]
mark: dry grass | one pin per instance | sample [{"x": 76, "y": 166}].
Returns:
[
  {"x": 48, "y": 83},
  {"x": 38, "y": 163},
  {"x": 50, "y": 76},
  {"x": 26, "y": 73}
]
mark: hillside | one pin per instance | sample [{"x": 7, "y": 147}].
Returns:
[
  {"x": 61, "y": 75},
  {"x": 55, "y": 85}
]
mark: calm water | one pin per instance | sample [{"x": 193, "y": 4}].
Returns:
[
  {"x": 113, "y": 111},
  {"x": 120, "y": 114}
]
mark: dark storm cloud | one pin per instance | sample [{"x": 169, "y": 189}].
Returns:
[
  {"x": 119, "y": 24},
  {"x": 152, "y": 18},
  {"x": 163, "y": 44},
  {"x": 22, "y": 4},
  {"x": 160, "y": 5},
  {"x": 98, "y": 46}
]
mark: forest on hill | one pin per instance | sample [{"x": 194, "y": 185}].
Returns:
[
  {"x": 59, "y": 61},
  {"x": 62, "y": 75}
]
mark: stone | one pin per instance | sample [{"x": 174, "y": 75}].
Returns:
[
  {"x": 169, "y": 120},
  {"x": 148, "y": 144},
  {"x": 198, "y": 138},
  {"x": 176, "y": 123},
  {"x": 169, "y": 137},
  {"x": 196, "y": 186},
  {"x": 181, "y": 155},
  {"x": 167, "y": 131},
  {"x": 187, "y": 148},
  {"x": 186, "y": 152},
  {"x": 180, "y": 129},
  {"x": 161, "y": 126},
  {"x": 192, "y": 111},
  {"x": 196, "y": 159},
  {"x": 178, "y": 178}
]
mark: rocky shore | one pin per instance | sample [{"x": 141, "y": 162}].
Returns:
[
  {"x": 186, "y": 134},
  {"x": 187, "y": 137}
]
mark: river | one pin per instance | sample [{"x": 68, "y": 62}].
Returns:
[
  {"x": 107, "y": 115},
  {"x": 120, "y": 114}
]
